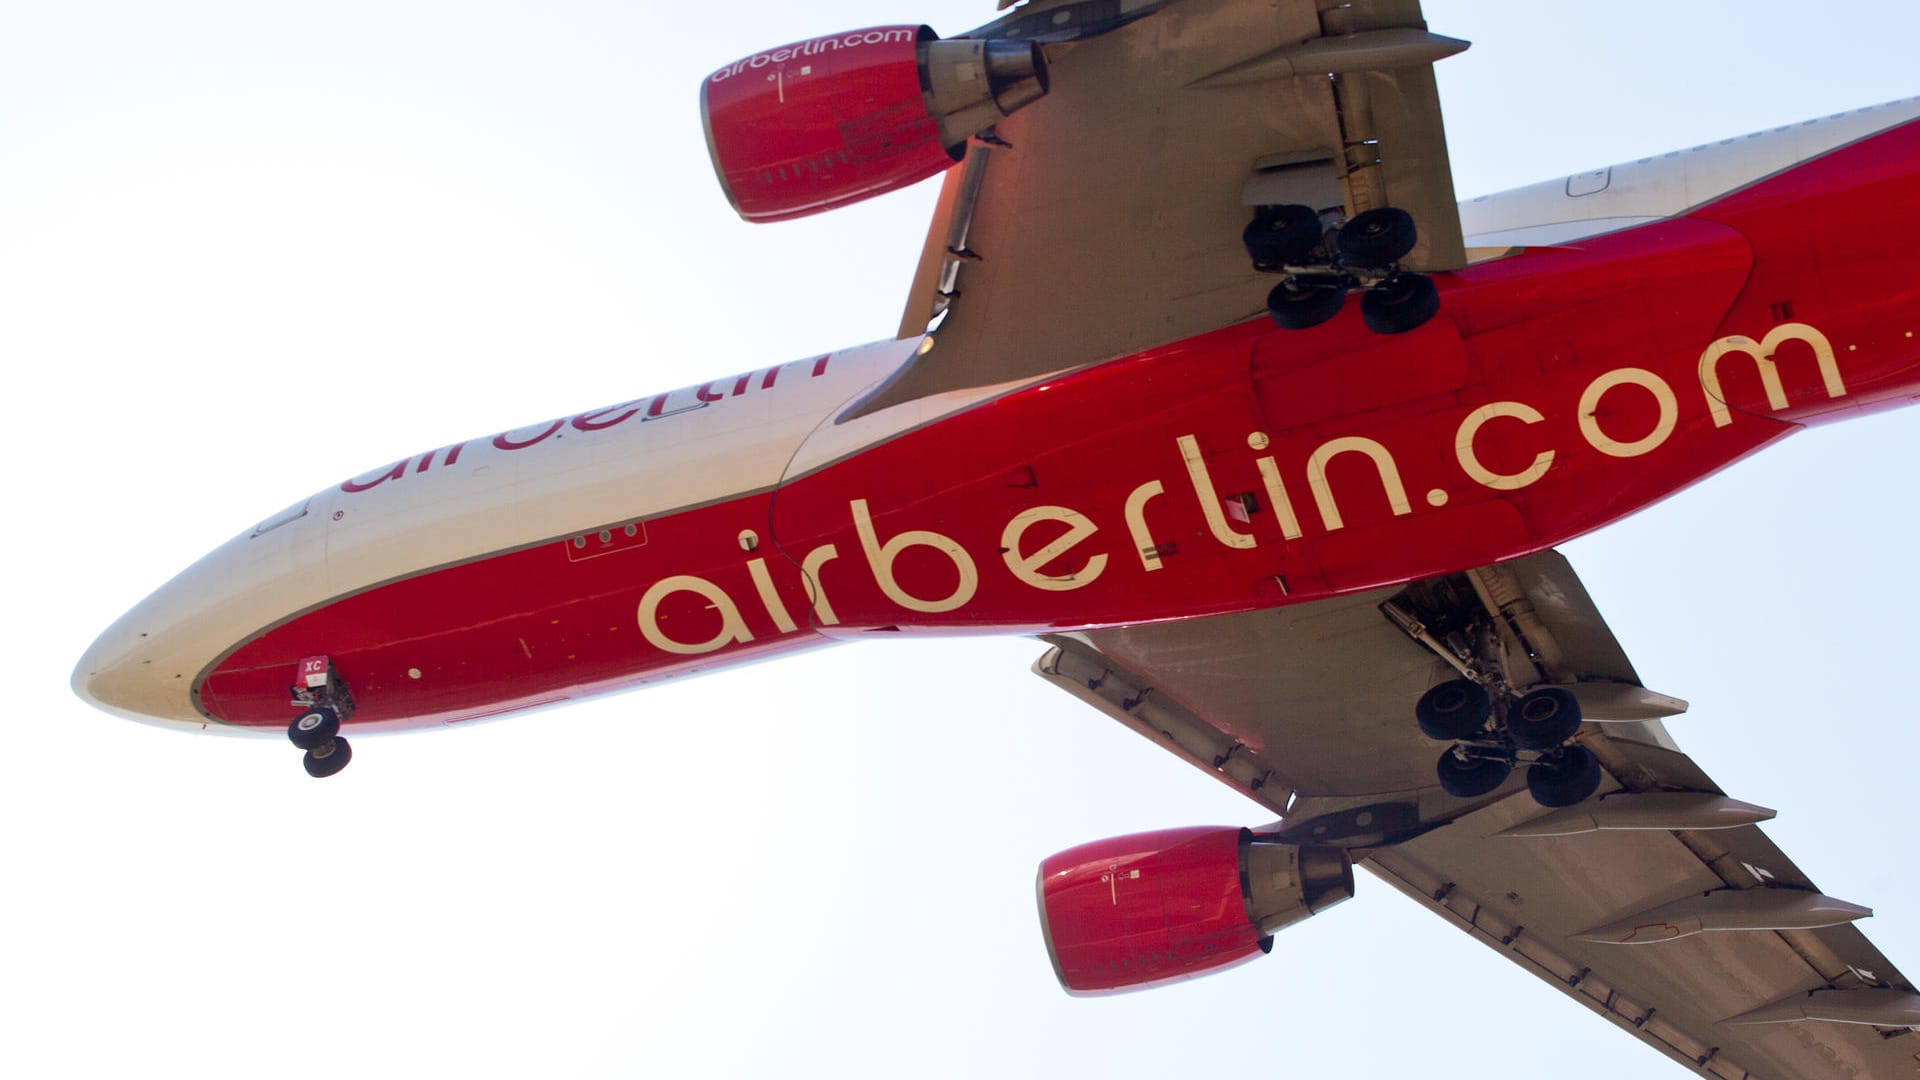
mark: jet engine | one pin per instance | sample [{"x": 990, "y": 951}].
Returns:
[
  {"x": 818, "y": 124},
  {"x": 1159, "y": 907}
]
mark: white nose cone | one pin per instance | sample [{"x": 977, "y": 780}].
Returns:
[
  {"x": 149, "y": 665},
  {"x": 137, "y": 670}
]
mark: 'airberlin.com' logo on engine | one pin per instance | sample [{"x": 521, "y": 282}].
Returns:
[{"x": 884, "y": 35}]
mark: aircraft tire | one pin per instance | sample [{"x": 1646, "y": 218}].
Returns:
[
  {"x": 1279, "y": 235},
  {"x": 1296, "y": 307},
  {"x": 328, "y": 758},
  {"x": 313, "y": 727},
  {"x": 1378, "y": 238},
  {"x": 1564, "y": 779},
  {"x": 1543, "y": 719},
  {"x": 1471, "y": 779},
  {"x": 1401, "y": 303},
  {"x": 1456, "y": 709}
]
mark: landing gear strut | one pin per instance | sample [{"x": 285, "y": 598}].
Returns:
[
  {"x": 324, "y": 701},
  {"x": 1321, "y": 266}
]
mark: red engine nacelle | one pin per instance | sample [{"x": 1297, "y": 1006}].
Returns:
[
  {"x": 1159, "y": 907},
  {"x": 807, "y": 127}
]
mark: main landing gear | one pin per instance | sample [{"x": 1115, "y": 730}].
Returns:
[
  {"x": 324, "y": 701},
  {"x": 1322, "y": 264},
  {"x": 1489, "y": 738}
]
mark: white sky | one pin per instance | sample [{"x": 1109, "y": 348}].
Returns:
[{"x": 248, "y": 249}]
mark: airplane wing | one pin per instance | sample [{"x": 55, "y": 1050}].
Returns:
[
  {"x": 1106, "y": 219},
  {"x": 1658, "y": 904}
]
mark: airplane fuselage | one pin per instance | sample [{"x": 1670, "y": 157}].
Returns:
[{"x": 1562, "y": 388}]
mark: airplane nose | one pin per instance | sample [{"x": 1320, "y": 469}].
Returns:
[
  {"x": 128, "y": 673},
  {"x": 149, "y": 664}
]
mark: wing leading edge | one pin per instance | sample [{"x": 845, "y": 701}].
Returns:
[{"x": 1659, "y": 905}]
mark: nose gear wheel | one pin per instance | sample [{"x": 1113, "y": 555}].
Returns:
[{"x": 326, "y": 703}]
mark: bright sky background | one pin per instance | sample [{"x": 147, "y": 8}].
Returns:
[{"x": 248, "y": 249}]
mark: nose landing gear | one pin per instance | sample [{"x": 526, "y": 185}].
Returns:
[
  {"x": 1321, "y": 265},
  {"x": 325, "y": 702}
]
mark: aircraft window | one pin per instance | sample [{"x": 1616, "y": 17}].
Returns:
[{"x": 290, "y": 514}]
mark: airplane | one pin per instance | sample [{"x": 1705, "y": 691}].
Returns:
[{"x": 1674, "y": 304}]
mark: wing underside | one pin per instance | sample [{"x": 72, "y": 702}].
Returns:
[
  {"x": 1106, "y": 218},
  {"x": 1657, "y": 904}
]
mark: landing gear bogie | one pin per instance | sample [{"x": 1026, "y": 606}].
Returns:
[
  {"x": 1321, "y": 267},
  {"x": 1492, "y": 733}
]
